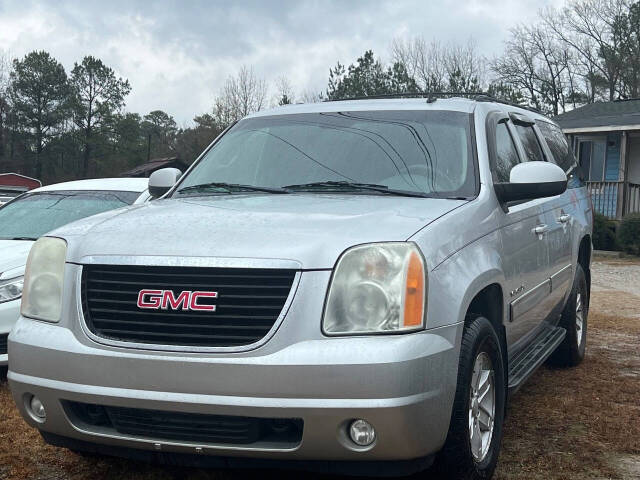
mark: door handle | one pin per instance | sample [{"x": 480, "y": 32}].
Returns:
[
  {"x": 564, "y": 218},
  {"x": 541, "y": 229}
]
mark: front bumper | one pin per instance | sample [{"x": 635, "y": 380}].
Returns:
[
  {"x": 9, "y": 313},
  {"x": 404, "y": 385}
]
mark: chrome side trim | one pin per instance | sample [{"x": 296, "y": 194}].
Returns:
[
  {"x": 178, "y": 348},
  {"x": 527, "y": 301},
  {"x": 561, "y": 277}
]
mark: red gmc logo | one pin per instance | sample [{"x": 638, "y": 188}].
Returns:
[{"x": 166, "y": 299}]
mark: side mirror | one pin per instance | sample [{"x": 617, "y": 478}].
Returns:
[
  {"x": 530, "y": 180},
  {"x": 161, "y": 181}
]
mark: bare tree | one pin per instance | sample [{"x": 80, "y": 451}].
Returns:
[
  {"x": 423, "y": 62},
  {"x": 437, "y": 67},
  {"x": 552, "y": 66},
  {"x": 541, "y": 66},
  {"x": 464, "y": 67},
  {"x": 241, "y": 95},
  {"x": 284, "y": 91},
  {"x": 311, "y": 96},
  {"x": 517, "y": 66},
  {"x": 589, "y": 27}
]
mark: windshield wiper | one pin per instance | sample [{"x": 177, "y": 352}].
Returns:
[
  {"x": 21, "y": 238},
  {"x": 231, "y": 187},
  {"x": 353, "y": 186}
]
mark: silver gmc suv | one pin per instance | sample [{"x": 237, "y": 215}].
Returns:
[{"x": 351, "y": 286}]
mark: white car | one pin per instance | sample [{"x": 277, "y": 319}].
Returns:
[
  {"x": 28, "y": 217},
  {"x": 8, "y": 194}
]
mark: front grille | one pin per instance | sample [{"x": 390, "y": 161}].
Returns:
[
  {"x": 3, "y": 343},
  {"x": 190, "y": 427},
  {"x": 248, "y": 304}
]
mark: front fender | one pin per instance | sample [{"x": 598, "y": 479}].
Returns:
[{"x": 455, "y": 282}]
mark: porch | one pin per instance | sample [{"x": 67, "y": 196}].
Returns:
[
  {"x": 610, "y": 163},
  {"x": 605, "y": 195},
  {"x": 605, "y": 137}
]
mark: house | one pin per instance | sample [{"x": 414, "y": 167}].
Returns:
[
  {"x": 146, "y": 169},
  {"x": 605, "y": 137}
]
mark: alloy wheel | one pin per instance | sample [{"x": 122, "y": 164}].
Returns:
[
  {"x": 579, "y": 319},
  {"x": 482, "y": 402}
]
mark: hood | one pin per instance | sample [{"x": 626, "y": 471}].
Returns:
[
  {"x": 310, "y": 229},
  {"x": 13, "y": 255}
]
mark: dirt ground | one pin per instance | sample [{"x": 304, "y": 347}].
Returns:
[{"x": 581, "y": 423}]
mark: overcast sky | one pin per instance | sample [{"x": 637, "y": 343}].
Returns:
[{"x": 177, "y": 54}]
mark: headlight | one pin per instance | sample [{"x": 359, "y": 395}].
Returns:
[
  {"x": 11, "y": 289},
  {"x": 377, "y": 288},
  {"x": 43, "y": 279}
]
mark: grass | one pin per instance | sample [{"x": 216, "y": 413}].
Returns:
[{"x": 579, "y": 423}]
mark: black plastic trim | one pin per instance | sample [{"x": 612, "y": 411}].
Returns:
[
  {"x": 391, "y": 468},
  {"x": 515, "y": 192}
]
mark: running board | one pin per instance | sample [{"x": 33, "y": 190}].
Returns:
[{"x": 523, "y": 366}]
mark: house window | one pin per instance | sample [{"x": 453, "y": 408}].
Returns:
[{"x": 592, "y": 155}]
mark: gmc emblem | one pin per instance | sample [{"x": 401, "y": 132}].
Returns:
[{"x": 166, "y": 299}]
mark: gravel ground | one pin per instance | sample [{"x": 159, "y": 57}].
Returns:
[
  {"x": 621, "y": 275},
  {"x": 566, "y": 424}
]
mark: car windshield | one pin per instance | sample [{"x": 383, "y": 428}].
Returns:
[
  {"x": 428, "y": 152},
  {"x": 35, "y": 214}
]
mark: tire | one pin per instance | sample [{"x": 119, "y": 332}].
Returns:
[
  {"x": 458, "y": 458},
  {"x": 574, "y": 320}
]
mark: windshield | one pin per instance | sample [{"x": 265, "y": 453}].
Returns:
[
  {"x": 417, "y": 151},
  {"x": 35, "y": 214}
]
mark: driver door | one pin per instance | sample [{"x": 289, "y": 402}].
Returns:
[{"x": 524, "y": 248}]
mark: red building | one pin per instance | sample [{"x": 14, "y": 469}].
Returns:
[
  {"x": 14, "y": 184},
  {"x": 15, "y": 181}
]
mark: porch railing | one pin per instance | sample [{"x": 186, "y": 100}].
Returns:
[
  {"x": 633, "y": 198},
  {"x": 604, "y": 196},
  {"x": 607, "y": 198}
]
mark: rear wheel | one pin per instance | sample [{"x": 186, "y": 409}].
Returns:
[
  {"x": 475, "y": 432},
  {"x": 574, "y": 320}
]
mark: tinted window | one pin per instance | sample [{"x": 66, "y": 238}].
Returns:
[
  {"x": 420, "y": 151},
  {"x": 532, "y": 149},
  {"x": 506, "y": 153},
  {"x": 562, "y": 154},
  {"x": 33, "y": 215}
]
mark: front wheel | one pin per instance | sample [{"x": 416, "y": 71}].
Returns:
[{"x": 475, "y": 432}]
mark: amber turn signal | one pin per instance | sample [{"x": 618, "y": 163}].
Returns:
[{"x": 414, "y": 294}]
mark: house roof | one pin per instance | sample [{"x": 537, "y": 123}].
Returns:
[
  {"x": 151, "y": 166},
  {"x": 602, "y": 116}
]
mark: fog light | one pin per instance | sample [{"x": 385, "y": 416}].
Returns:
[
  {"x": 37, "y": 409},
  {"x": 362, "y": 433}
]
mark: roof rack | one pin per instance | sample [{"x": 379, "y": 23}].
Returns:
[{"x": 433, "y": 96}]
